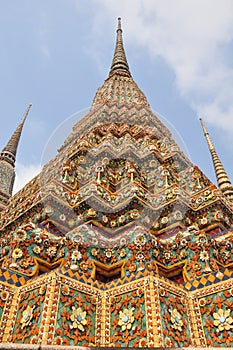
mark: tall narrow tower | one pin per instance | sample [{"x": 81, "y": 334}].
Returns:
[
  {"x": 7, "y": 163},
  {"x": 119, "y": 62},
  {"x": 223, "y": 180}
]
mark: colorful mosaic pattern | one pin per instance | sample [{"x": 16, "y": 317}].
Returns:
[
  {"x": 76, "y": 322},
  {"x": 128, "y": 319},
  {"x": 174, "y": 319},
  {"x": 27, "y": 323},
  {"x": 148, "y": 312},
  {"x": 120, "y": 240}
]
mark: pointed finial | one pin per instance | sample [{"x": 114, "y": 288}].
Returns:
[
  {"x": 208, "y": 139},
  {"x": 119, "y": 86},
  {"x": 223, "y": 180},
  {"x": 26, "y": 113},
  {"x": 119, "y": 62},
  {"x": 9, "y": 151},
  {"x": 119, "y": 23}
]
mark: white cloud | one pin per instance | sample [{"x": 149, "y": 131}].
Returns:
[
  {"x": 195, "y": 38},
  {"x": 24, "y": 173}
]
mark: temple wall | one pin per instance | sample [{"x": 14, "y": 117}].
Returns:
[{"x": 147, "y": 312}]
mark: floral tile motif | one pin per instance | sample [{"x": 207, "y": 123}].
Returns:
[
  {"x": 28, "y": 319},
  {"x": 174, "y": 318},
  {"x": 128, "y": 327},
  {"x": 217, "y": 318},
  {"x": 76, "y": 319}
]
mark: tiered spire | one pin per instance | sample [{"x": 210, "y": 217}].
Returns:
[
  {"x": 223, "y": 180},
  {"x": 119, "y": 62},
  {"x": 119, "y": 86},
  {"x": 9, "y": 151},
  {"x": 7, "y": 163}
]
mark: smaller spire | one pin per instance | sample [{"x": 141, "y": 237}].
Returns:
[
  {"x": 223, "y": 180},
  {"x": 119, "y": 62},
  {"x": 9, "y": 151}
]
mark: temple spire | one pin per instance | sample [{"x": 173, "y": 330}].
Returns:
[
  {"x": 7, "y": 163},
  {"x": 119, "y": 86},
  {"x": 119, "y": 62},
  {"x": 9, "y": 151},
  {"x": 223, "y": 180}
]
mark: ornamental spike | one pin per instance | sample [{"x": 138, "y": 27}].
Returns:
[
  {"x": 119, "y": 62},
  {"x": 223, "y": 180}
]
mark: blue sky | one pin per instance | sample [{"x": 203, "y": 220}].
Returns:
[{"x": 56, "y": 53}]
